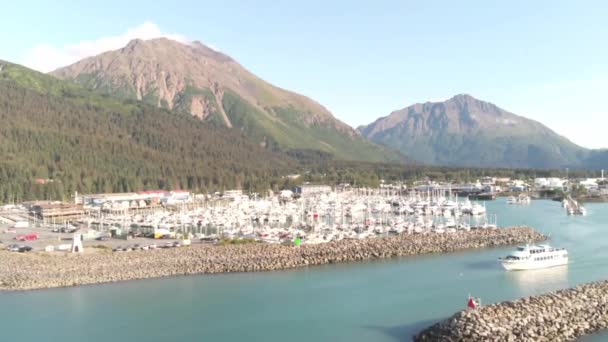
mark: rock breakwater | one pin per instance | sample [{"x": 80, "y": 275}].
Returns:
[
  {"x": 563, "y": 315},
  {"x": 35, "y": 271}
]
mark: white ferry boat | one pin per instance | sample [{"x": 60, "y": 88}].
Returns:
[{"x": 534, "y": 257}]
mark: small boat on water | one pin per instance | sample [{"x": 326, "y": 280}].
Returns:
[
  {"x": 531, "y": 257},
  {"x": 521, "y": 199}
]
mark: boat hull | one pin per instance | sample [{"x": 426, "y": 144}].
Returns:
[{"x": 532, "y": 265}]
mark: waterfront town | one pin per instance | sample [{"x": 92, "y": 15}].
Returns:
[
  {"x": 99, "y": 238},
  {"x": 306, "y": 214}
]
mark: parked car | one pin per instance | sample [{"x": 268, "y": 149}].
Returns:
[
  {"x": 152, "y": 246},
  {"x": 103, "y": 238},
  {"x": 28, "y": 237},
  {"x": 19, "y": 248},
  {"x": 23, "y": 249},
  {"x": 176, "y": 244}
]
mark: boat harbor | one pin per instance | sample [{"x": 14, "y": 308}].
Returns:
[
  {"x": 312, "y": 218},
  {"x": 411, "y": 294}
]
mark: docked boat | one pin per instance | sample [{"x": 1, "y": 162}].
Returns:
[
  {"x": 521, "y": 199},
  {"x": 531, "y": 257}
]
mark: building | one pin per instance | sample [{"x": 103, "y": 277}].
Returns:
[
  {"x": 485, "y": 181},
  {"x": 233, "y": 195},
  {"x": 176, "y": 197},
  {"x": 312, "y": 189},
  {"x": 553, "y": 183},
  {"x": 124, "y": 200},
  {"x": 56, "y": 210},
  {"x": 590, "y": 184},
  {"x": 519, "y": 186}
]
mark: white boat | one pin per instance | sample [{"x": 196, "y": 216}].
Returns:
[
  {"x": 521, "y": 199},
  {"x": 478, "y": 209},
  {"x": 524, "y": 199},
  {"x": 534, "y": 257}
]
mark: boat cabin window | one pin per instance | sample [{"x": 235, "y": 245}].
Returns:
[{"x": 521, "y": 249}]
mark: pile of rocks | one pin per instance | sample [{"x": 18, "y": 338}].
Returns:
[
  {"x": 558, "y": 316},
  {"x": 34, "y": 271}
]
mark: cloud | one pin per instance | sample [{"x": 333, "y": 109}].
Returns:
[{"x": 45, "y": 57}]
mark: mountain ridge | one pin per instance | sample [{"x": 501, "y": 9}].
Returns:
[
  {"x": 465, "y": 131},
  {"x": 211, "y": 85}
]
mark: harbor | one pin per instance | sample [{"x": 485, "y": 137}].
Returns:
[
  {"x": 382, "y": 300},
  {"x": 319, "y": 215}
]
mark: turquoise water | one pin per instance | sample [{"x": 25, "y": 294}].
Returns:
[{"x": 387, "y": 300}]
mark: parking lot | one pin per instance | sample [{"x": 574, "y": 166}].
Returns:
[{"x": 45, "y": 236}]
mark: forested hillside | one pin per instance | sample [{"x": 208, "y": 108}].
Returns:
[{"x": 74, "y": 140}]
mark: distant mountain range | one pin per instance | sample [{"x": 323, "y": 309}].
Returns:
[
  {"x": 221, "y": 110},
  {"x": 464, "y": 131},
  {"x": 212, "y": 86}
]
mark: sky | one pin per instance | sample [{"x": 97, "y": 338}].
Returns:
[{"x": 545, "y": 60}]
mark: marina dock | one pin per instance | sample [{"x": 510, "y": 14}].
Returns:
[{"x": 573, "y": 207}]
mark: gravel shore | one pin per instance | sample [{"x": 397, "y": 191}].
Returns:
[
  {"x": 40, "y": 270},
  {"x": 563, "y": 315}
]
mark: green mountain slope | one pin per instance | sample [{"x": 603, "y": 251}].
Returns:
[
  {"x": 464, "y": 131},
  {"x": 212, "y": 86},
  {"x": 80, "y": 141}
]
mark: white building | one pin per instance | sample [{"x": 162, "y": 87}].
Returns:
[
  {"x": 552, "y": 183},
  {"x": 311, "y": 189},
  {"x": 234, "y": 195},
  {"x": 590, "y": 184},
  {"x": 176, "y": 197}
]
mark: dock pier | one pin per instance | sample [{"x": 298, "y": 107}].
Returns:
[{"x": 573, "y": 207}]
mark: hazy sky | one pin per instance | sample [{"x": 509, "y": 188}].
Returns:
[{"x": 546, "y": 60}]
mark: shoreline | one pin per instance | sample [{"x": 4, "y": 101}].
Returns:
[
  {"x": 41, "y": 270},
  {"x": 562, "y": 315}
]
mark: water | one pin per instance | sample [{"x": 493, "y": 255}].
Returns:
[{"x": 387, "y": 300}]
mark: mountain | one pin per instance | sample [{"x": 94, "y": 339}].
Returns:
[
  {"x": 73, "y": 139},
  {"x": 212, "y": 86},
  {"x": 596, "y": 160},
  {"x": 464, "y": 131}
]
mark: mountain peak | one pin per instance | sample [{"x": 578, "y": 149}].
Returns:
[
  {"x": 467, "y": 131},
  {"x": 463, "y": 98},
  {"x": 133, "y": 44},
  {"x": 196, "y": 79}
]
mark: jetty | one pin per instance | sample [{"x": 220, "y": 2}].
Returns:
[
  {"x": 573, "y": 207},
  {"x": 563, "y": 315},
  {"x": 20, "y": 271}
]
